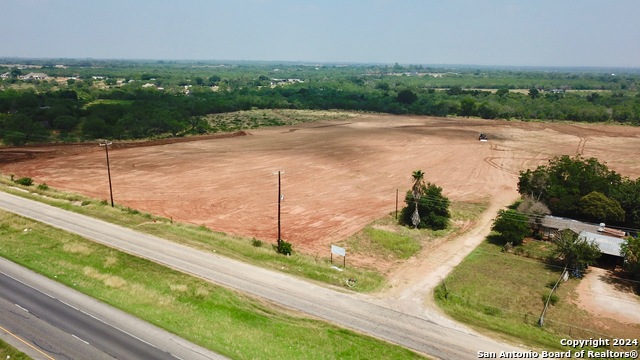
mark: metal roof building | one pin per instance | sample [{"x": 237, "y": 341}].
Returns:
[
  {"x": 559, "y": 223},
  {"x": 608, "y": 245}
]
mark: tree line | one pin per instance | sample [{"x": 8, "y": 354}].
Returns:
[{"x": 150, "y": 100}]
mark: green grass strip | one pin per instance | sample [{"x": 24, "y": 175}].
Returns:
[{"x": 225, "y": 321}]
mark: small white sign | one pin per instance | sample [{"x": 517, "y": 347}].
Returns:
[{"x": 338, "y": 250}]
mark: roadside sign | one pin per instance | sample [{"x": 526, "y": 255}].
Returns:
[{"x": 339, "y": 251}]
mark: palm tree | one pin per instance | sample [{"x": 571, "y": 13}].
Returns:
[
  {"x": 417, "y": 189},
  {"x": 418, "y": 186}
]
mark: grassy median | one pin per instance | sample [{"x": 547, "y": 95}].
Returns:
[{"x": 225, "y": 321}]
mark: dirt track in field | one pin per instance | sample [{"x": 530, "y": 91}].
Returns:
[{"x": 338, "y": 175}]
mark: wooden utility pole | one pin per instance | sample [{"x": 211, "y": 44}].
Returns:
[
  {"x": 106, "y": 150},
  {"x": 279, "y": 201}
]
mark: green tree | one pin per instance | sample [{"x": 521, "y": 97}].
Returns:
[
  {"x": 19, "y": 129},
  {"x": 534, "y": 93},
  {"x": 597, "y": 207},
  {"x": 66, "y": 122},
  {"x": 630, "y": 250},
  {"x": 426, "y": 206},
  {"x": 512, "y": 225},
  {"x": 213, "y": 80},
  {"x": 565, "y": 180},
  {"x": 574, "y": 251},
  {"x": 628, "y": 195},
  {"x": 432, "y": 206},
  {"x": 467, "y": 107},
  {"x": 406, "y": 97},
  {"x": 501, "y": 92}
]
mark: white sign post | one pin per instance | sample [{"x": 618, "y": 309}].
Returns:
[{"x": 339, "y": 251}]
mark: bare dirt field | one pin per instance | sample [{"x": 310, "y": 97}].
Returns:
[{"x": 338, "y": 175}]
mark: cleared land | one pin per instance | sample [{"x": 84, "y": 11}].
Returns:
[{"x": 339, "y": 175}]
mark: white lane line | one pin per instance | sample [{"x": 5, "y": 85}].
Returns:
[
  {"x": 80, "y": 339},
  {"x": 21, "y": 307}
]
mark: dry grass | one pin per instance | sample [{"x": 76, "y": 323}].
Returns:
[
  {"x": 76, "y": 248},
  {"x": 109, "y": 280}
]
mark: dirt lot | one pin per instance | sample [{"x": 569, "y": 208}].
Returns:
[
  {"x": 607, "y": 297},
  {"x": 338, "y": 175}
]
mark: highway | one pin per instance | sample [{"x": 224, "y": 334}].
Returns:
[
  {"x": 56, "y": 322},
  {"x": 86, "y": 336},
  {"x": 423, "y": 335}
]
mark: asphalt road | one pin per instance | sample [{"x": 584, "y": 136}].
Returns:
[
  {"x": 82, "y": 336},
  {"x": 349, "y": 310},
  {"x": 48, "y": 320},
  {"x": 39, "y": 339}
]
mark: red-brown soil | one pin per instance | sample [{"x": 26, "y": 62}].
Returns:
[{"x": 338, "y": 175}]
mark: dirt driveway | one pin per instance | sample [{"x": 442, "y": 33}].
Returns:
[{"x": 600, "y": 294}]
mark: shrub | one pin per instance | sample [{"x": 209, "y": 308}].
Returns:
[
  {"x": 85, "y": 202},
  {"x": 104, "y": 202},
  {"x": 257, "y": 243},
  {"x": 131, "y": 211},
  {"x": 43, "y": 187},
  {"x": 26, "y": 181},
  {"x": 553, "y": 298},
  {"x": 284, "y": 247}
]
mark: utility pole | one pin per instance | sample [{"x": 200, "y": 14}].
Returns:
[
  {"x": 396, "y": 204},
  {"x": 106, "y": 150},
  {"x": 279, "y": 201}
]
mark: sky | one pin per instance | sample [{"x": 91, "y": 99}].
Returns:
[{"x": 589, "y": 33}]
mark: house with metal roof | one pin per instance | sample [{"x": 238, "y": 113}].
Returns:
[
  {"x": 550, "y": 224},
  {"x": 608, "y": 245}
]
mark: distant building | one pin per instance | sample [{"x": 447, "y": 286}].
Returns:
[{"x": 35, "y": 76}]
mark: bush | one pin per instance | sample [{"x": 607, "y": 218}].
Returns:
[
  {"x": 257, "y": 243},
  {"x": 43, "y": 187},
  {"x": 553, "y": 299},
  {"x": 284, "y": 247},
  {"x": 131, "y": 211},
  {"x": 26, "y": 181}
]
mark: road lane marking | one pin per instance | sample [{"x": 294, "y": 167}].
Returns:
[
  {"x": 26, "y": 343},
  {"x": 80, "y": 339},
  {"x": 21, "y": 307}
]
